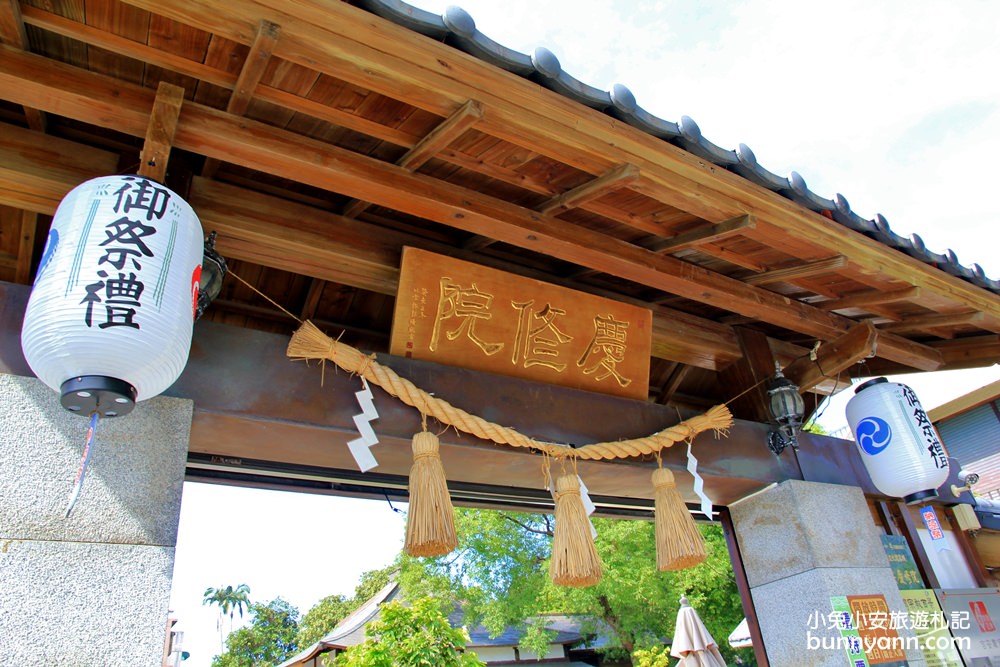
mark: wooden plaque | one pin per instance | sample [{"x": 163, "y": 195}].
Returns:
[{"x": 463, "y": 314}]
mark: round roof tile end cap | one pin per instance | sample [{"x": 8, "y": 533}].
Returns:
[
  {"x": 459, "y": 21},
  {"x": 798, "y": 183},
  {"x": 689, "y": 129},
  {"x": 882, "y": 223},
  {"x": 746, "y": 156},
  {"x": 842, "y": 204},
  {"x": 546, "y": 62},
  {"x": 623, "y": 98},
  {"x": 918, "y": 242}
]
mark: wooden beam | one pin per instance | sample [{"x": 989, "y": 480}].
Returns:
[
  {"x": 37, "y": 170},
  {"x": 871, "y": 298},
  {"x": 792, "y": 273},
  {"x": 745, "y": 381},
  {"x": 833, "y": 357},
  {"x": 615, "y": 179},
  {"x": 697, "y": 237},
  {"x": 12, "y": 32},
  {"x": 673, "y": 383},
  {"x": 213, "y": 133},
  {"x": 311, "y": 302},
  {"x": 923, "y": 322},
  {"x": 250, "y": 75},
  {"x": 26, "y": 249},
  {"x": 437, "y": 140},
  {"x": 160, "y": 132}
]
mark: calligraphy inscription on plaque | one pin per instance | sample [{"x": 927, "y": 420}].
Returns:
[{"x": 463, "y": 314}]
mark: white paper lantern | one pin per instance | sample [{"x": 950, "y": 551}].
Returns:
[
  {"x": 110, "y": 315},
  {"x": 896, "y": 440}
]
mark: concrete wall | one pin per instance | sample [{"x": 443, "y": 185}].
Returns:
[
  {"x": 91, "y": 589},
  {"x": 801, "y": 543}
]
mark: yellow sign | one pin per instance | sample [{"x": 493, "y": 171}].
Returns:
[{"x": 467, "y": 315}]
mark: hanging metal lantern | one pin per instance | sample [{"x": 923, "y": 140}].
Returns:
[
  {"x": 787, "y": 409},
  {"x": 110, "y": 314},
  {"x": 896, "y": 440}
]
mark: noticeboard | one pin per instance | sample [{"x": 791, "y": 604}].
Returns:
[{"x": 463, "y": 314}]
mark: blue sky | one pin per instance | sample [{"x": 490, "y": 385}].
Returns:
[{"x": 897, "y": 110}]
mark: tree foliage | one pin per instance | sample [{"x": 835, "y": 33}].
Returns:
[
  {"x": 331, "y": 610},
  {"x": 501, "y": 575},
  {"x": 267, "y": 641},
  {"x": 229, "y": 600},
  {"x": 411, "y": 636}
]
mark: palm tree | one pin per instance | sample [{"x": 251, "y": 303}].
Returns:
[{"x": 229, "y": 600}]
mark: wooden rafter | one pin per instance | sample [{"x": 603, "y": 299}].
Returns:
[
  {"x": 911, "y": 324},
  {"x": 833, "y": 357},
  {"x": 439, "y": 138},
  {"x": 792, "y": 273},
  {"x": 673, "y": 383},
  {"x": 871, "y": 298},
  {"x": 160, "y": 132},
  {"x": 698, "y": 237},
  {"x": 12, "y": 32},
  {"x": 214, "y": 133},
  {"x": 610, "y": 181},
  {"x": 250, "y": 75}
]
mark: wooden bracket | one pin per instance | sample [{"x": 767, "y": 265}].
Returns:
[
  {"x": 834, "y": 356},
  {"x": 745, "y": 379},
  {"x": 160, "y": 132}
]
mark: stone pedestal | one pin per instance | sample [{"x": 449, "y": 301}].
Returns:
[
  {"x": 91, "y": 589},
  {"x": 801, "y": 543}
]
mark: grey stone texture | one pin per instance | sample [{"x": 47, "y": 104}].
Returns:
[
  {"x": 803, "y": 543},
  {"x": 91, "y": 589}
]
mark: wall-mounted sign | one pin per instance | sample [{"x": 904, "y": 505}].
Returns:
[
  {"x": 878, "y": 632},
  {"x": 463, "y": 314},
  {"x": 933, "y": 528},
  {"x": 904, "y": 567},
  {"x": 930, "y": 627},
  {"x": 975, "y": 617}
]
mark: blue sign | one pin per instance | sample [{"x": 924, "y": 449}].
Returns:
[{"x": 873, "y": 435}]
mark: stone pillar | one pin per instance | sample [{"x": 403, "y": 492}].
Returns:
[
  {"x": 801, "y": 543},
  {"x": 91, "y": 589}
]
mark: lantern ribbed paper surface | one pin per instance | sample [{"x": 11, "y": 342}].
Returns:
[
  {"x": 116, "y": 286},
  {"x": 897, "y": 442}
]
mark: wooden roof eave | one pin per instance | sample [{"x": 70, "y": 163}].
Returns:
[
  {"x": 102, "y": 101},
  {"x": 349, "y": 43}
]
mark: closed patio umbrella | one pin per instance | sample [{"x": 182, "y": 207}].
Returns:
[{"x": 693, "y": 643}]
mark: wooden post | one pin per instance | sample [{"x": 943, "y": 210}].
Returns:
[{"x": 160, "y": 132}]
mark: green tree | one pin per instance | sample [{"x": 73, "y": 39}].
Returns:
[
  {"x": 267, "y": 641},
  {"x": 501, "y": 575},
  {"x": 411, "y": 636},
  {"x": 331, "y": 610},
  {"x": 229, "y": 600}
]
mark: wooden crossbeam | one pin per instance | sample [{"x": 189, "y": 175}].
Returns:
[
  {"x": 213, "y": 133},
  {"x": 921, "y": 323},
  {"x": 250, "y": 75},
  {"x": 871, "y": 298},
  {"x": 160, "y": 132},
  {"x": 437, "y": 140},
  {"x": 833, "y": 357},
  {"x": 745, "y": 380},
  {"x": 26, "y": 247},
  {"x": 673, "y": 383},
  {"x": 696, "y": 237},
  {"x": 807, "y": 270},
  {"x": 12, "y": 32},
  {"x": 610, "y": 181}
]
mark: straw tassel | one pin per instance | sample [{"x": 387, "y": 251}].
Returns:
[
  {"x": 679, "y": 544},
  {"x": 430, "y": 524},
  {"x": 574, "y": 557}
]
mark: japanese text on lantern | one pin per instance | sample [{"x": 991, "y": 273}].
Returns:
[
  {"x": 926, "y": 429},
  {"x": 115, "y": 295},
  {"x": 467, "y": 315}
]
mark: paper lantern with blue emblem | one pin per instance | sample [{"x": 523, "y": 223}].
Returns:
[
  {"x": 110, "y": 316},
  {"x": 897, "y": 441}
]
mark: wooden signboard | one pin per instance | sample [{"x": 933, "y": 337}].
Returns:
[{"x": 463, "y": 314}]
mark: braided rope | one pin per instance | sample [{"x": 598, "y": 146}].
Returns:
[{"x": 311, "y": 343}]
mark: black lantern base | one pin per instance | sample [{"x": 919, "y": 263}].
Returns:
[
  {"x": 920, "y": 496},
  {"x": 108, "y": 397}
]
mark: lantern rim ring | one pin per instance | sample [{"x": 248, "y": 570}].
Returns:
[
  {"x": 107, "y": 396},
  {"x": 920, "y": 496}
]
